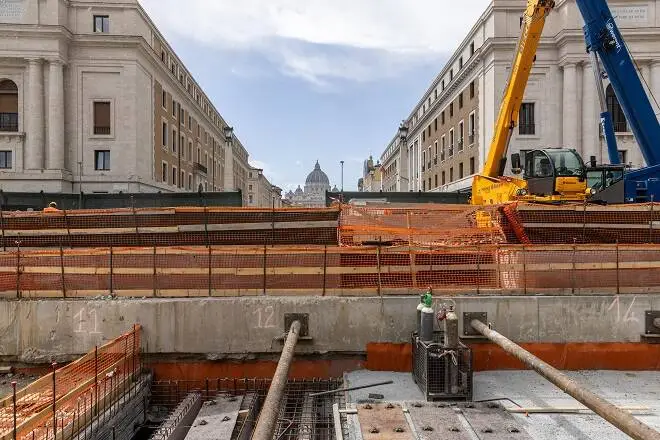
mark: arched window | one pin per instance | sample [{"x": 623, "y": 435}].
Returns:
[
  {"x": 615, "y": 110},
  {"x": 8, "y": 106}
]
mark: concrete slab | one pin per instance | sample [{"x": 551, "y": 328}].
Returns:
[
  {"x": 403, "y": 388},
  {"x": 216, "y": 419},
  {"x": 528, "y": 389}
]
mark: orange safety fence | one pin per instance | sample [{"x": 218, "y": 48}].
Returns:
[
  {"x": 329, "y": 270},
  {"x": 168, "y": 226},
  {"x": 69, "y": 396},
  {"x": 428, "y": 225}
]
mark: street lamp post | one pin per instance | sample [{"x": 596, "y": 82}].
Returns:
[
  {"x": 403, "y": 138},
  {"x": 342, "y": 175}
]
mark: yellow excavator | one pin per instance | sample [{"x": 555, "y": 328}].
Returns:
[{"x": 549, "y": 175}]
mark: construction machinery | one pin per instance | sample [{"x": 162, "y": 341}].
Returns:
[
  {"x": 613, "y": 183},
  {"x": 550, "y": 175}
]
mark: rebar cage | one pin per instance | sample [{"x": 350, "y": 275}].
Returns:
[
  {"x": 442, "y": 373},
  {"x": 300, "y": 416}
]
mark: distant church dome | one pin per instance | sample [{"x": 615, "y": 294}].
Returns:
[{"x": 317, "y": 176}]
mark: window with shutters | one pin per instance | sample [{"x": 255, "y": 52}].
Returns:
[{"x": 102, "y": 118}]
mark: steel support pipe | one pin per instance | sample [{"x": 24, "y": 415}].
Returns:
[
  {"x": 617, "y": 417},
  {"x": 268, "y": 416}
]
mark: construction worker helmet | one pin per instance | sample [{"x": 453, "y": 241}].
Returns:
[{"x": 52, "y": 205}]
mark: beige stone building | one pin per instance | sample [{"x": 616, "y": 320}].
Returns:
[
  {"x": 560, "y": 107},
  {"x": 260, "y": 192},
  {"x": 93, "y": 99}
]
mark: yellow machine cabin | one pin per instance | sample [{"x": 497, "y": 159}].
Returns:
[{"x": 549, "y": 174}]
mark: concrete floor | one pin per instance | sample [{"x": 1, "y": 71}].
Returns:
[{"x": 528, "y": 389}]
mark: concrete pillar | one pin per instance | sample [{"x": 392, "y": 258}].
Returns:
[
  {"x": 570, "y": 106},
  {"x": 590, "y": 116},
  {"x": 34, "y": 116},
  {"x": 655, "y": 84},
  {"x": 56, "y": 116}
]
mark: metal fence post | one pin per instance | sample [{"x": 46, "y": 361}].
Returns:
[
  {"x": 380, "y": 286},
  {"x": 574, "y": 270},
  {"x": 206, "y": 224},
  {"x": 54, "y": 366},
  {"x": 62, "y": 269},
  {"x": 524, "y": 253},
  {"x": 155, "y": 276},
  {"x": 96, "y": 379},
  {"x": 111, "y": 286},
  {"x": 210, "y": 274},
  {"x": 651, "y": 223},
  {"x": 18, "y": 269},
  {"x": 265, "y": 266},
  {"x": 13, "y": 389},
  {"x": 325, "y": 267}
]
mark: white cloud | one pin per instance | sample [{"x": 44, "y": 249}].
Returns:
[{"x": 394, "y": 32}]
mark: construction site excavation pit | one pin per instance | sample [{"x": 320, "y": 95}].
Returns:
[{"x": 392, "y": 323}]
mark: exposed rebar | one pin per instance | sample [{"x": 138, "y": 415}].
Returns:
[
  {"x": 268, "y": 416},
  {"x": 617, "y": 417}
]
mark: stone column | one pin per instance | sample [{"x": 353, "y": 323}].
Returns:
[
  {"x": 570, "y": 106},
  {"x": 56, "y": 116},
  {"x": 655, "y": 84},
  {"x": 590, "y": 116},
  {"x": 34, "y": 116}
]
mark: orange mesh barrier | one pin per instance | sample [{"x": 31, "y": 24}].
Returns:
[
  {"x": 77, "y": 391},
  {"x": 428, "y": 225},
  {"x": 319, "y": 270},
  {"x": 168, "y": 226},
  {"x": 575, "y": 223}
]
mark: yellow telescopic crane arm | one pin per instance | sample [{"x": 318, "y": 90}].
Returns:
[{"x": 532, "y": 27}]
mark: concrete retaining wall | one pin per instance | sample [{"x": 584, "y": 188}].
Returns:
[{"x": 37, "y": 331}]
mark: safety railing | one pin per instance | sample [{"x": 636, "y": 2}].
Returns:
[{"x": 68, "y": 399}]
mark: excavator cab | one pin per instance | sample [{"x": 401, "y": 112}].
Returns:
[{"x": 553, "y": 172}]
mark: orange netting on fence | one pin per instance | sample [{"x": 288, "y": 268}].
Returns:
[
  {"x": 168, "y": 227},
  {"x": 65, "y": 400},
  {"x": 427, "y": 225},
  {"x": 516, "y": 223},
  {"x": 320, "y": 270}
]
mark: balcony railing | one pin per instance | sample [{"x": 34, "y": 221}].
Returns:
[
  {"x": 199, "y": 168},
  {"x": 101, "y": 130},
  {"x": 435, "y": 160},
  {"x": 471, "y": 139},
  {"x": 9, "y": 122},
  {"x": 460, "y": 145},
  {"x": 620, "y": 126}
]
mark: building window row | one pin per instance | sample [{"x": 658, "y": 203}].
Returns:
[{"x": 450, "y": 110}]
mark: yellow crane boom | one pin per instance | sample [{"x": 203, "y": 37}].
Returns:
[
  {"x": 550, "y": 175},
  {"x": 532, "y": 27}
]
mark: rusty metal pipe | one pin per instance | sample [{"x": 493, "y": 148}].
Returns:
[
  {"x": 617, "y": 417},
  {"x": 268, "y": 416}
]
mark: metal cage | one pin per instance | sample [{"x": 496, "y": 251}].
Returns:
[{"x": 442, "y": 373}]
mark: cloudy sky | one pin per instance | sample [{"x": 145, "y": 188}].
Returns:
[{"x": 307, "y": 80}]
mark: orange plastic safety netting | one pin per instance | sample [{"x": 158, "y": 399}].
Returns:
[
  {"x": 327, "y": 270},
  {"x": 56, "y": 402},
  {"x": 428, "y": 225}
]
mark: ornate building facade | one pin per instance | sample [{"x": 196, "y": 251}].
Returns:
[{"x": 313, "y": 196}]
